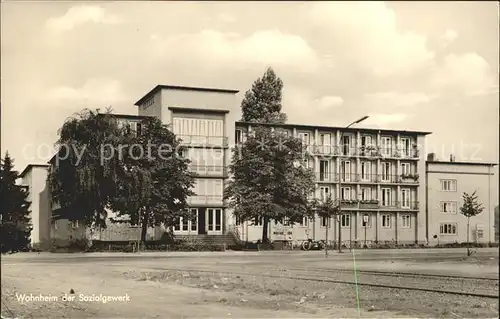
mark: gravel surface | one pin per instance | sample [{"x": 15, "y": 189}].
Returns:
[
  {"x": 489, "y": 287},
  {"x": 157, "y": 293}
]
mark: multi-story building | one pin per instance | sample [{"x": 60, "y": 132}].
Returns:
[
  {"x": 204, "y": 119},
  {"x": 34, "y": 177},
  {"x": 376, "y": 174},
  {"x": 446, "y": 184},
  {"x": 388, "y": 191}
]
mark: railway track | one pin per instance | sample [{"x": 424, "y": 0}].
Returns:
[
  {"x": 323, "y": 279},
  {"x": 394, "y": 274}
]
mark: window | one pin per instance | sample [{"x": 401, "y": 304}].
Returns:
[
  {"x": 324, "y": 192},
  {"x": 405, "y": 221},
  {"x": 304, "y": 137},
  {"x": 405, "y": 146},
  {"x": 324, "y": 172},
  {"x": 449, "y": 185},
  {"x": 324, "y": 221},
  {"x": 479, "y": 231},
  {"x": 258, "y": 221},
  {"x": 386, "y": 196},
  {"x": 366, "y": 140},
  {"x": 449, "y": 207},
  {"x": 345, "y": 193},
  {"x": 386, "y": 221},
  {"x": 238, "y": 136},
  {"x": 365, "y": 171},
  {"x": 194, "y": 220},
  {"x": 366, "y": 193},
  {"x": 324, "y": 139},
  {"x": 346, "y": 144},
  {"x": 345, "y": 220},
  {"x": 304, "y": 222},
  {"x": 405, "y": 198},
  {"x": 386, "y": 145},
  {"x": 148, "y": 103},
  {"x": 345, "y": 167},
  {"x": 448, "y": 229},
  {"x": 366, "y": 221},
  {"x": 74, "y": 224},
  {"x": 386, "y": 171},
  {"x": 405, "y": 169},
  {"x": 184, "y": 224}
]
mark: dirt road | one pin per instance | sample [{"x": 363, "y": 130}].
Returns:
[{"x": 153, "y": 293}]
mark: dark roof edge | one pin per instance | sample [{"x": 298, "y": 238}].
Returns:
[
  {"x": 195, "y": 110},
  {"x": 129, "y": 116},
  {"x": 29, "y": 166},
  {"x": 461, "y": 163},
  {"x": 309, "y": 126},
  {"x": 184, "y": 88}
]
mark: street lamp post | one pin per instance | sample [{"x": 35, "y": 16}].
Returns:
[{"x": 339, "y": 185}]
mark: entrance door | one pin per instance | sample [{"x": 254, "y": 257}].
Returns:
[
  {"x": 201, "y": 221},
  {"x": 214, "y": 221}
]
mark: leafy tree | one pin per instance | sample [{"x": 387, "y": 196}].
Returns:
[
  {"x": 470, "y": 208},
  {"x": 267, "y": 183},
  {"x": 154, "y": 183},
  {"x": 14, "y": 209},
  {"x": 326, "y": 209},
  {"x": 262, "y": 104},
  {"x": 80, "y": 179}
]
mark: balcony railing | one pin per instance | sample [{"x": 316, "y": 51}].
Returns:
[
  {"x": 376, "y": 204},
  {"x": 402, "y": 205},
  {"x": 198, "y": 140},
  {"x": 326, "y": 177},
  {"x": 367, "y": 178},
  {"x": 209, "y": 170},
  {"x": 204, "y": 200},
  {"x": 361, "y": 151},
  {"x": 324, "y": 150}
]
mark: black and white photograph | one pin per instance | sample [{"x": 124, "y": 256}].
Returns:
[{"x": 249, "y": 159}]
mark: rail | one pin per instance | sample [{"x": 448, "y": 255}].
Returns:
[{"x": 328, "y": 280}]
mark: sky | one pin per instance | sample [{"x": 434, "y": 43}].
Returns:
[{"x": 428, "y": 66}]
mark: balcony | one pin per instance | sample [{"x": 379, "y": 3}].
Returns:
[
  {"x": 388, "y": 179},
  {"x": 209, "y": 170},
  {"x": 360, "y": 204},
  {"x": 197, "y": 140},
  {"x": 403, "y": 205},
  {"x": 399, "y": 153},
  {"x": 327, "y": 150},
  {"x": 326, "y": 177},
  {"x": 205, "y": 200},
  {"x": 368, "y": 151},
  {"x": 409, "y": 178}
]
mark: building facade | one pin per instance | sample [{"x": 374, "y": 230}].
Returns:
[
  {"x": 34, "y": 177},
  {"x": 387, "y": 189},
  {"x": 376, "y": 174},
  {"x": 204, "y": 119},
  {"x": 446, "y": 184}
]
